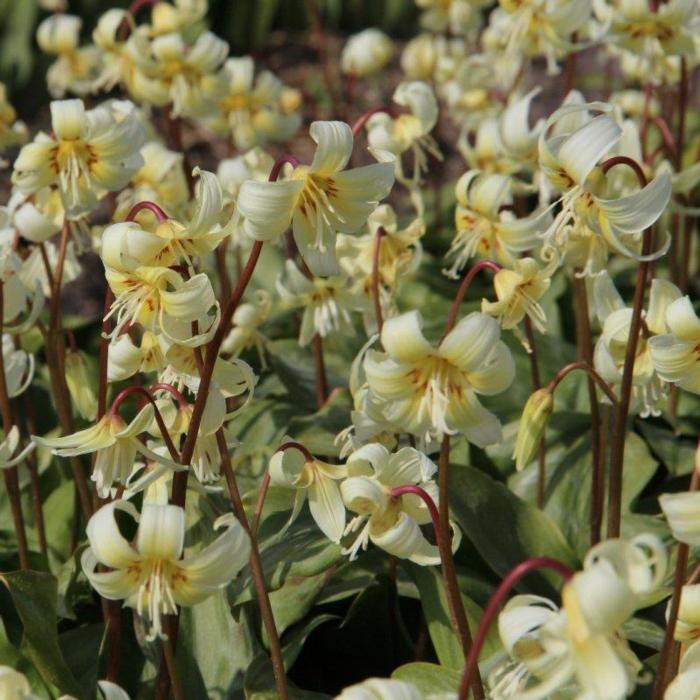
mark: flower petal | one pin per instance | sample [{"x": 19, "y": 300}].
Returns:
[
  {"x": 469, "y": 343},
  {"x": 161, "y": 533},
  {"x": 106, "y": 542},
  {"x": 334, "y": 148},
  {"x": 403, "y": 339},
  {"x": 326, "y": 505}
]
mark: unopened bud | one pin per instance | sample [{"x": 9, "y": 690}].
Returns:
[{"x": 532, "y": 426}]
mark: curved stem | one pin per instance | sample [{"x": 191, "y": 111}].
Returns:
[
  {"x": 381, "y": 232},
  {"x": 142, "y": 391},
  {"x": 10, "y": 474},
  {"x": 256, "y": 570},
  {"x": 292, "y": 445},
  {"x": 464, "y": 285},
  {"x": 449, "y": 573},
  {"x": 150, "y": 206},
  {"x": 162, "y": 386},
  {"x": 669, "y": 143},
  {"x": 363, "y": 119},
  {"x": 617, "y": 455},
  {"x": 586, "y": 367},
  {"x": 630, "y": 163},
  {"x": 280, "y": 163},
  {"x": 663, "y": 676},
  {"x": 399, "y": 491},
  {"x": 494, "y": 605}
]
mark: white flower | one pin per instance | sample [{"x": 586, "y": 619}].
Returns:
[
  {"x": 391, "y": 522},
  {"x": 19, "y": 367},
  {"x": 89, "y": 153},
  {"x": 366, "y": 53},
  {"x": 381, "y": 689},
  {"x": 318, "y": 200},
  {"x": 432, "y": 391},
  {"x": 151, "y": 575},
  {"x": 8, "y": 447}
]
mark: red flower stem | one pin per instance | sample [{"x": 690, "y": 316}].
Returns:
[
  {"x": 280, "y": 163},
  {"x": 586, "y": 367},
  {"x": 162, "y": 386},
  {"x": 381, "y": 232},
  {"x": 10, "y": 473},
  {"x": 399, "y": 491},
  {"x": 466, "y": 281},
  {"x": 630, "y": 162},
  {"x": 511, "y": 580},
  {"x": 458, "y": 614},
  {"x": 104, "y": 356},
  {"x": 259, "y": 504},
  {"x": 363, "y": 119},
  {"x": 669, "y": 143},
  {"x": 150, "y": 206},
  {"x": 619, "y": 436},
  {"x": 296, "y": 446},
  {"x": 141, "y": 391}
]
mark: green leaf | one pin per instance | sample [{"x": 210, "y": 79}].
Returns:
[
  {"x": 431, "y": 680},
  {"x": 437, "y": 616},
  {"x": 673, "y": 450},
  {"x": 34, "y": 595},
  {"x": 505, "y": 529},
  {"x": 644, "y": 632},
  {"x": 222, "y": 647}
]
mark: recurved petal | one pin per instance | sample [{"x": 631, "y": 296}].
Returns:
[
  {"x": 477, "y": 424},
  {"x": 334, "y": 148},
  {"x": 682, "y": 510},
  {"x": 470, "y": 342},
  {"x": 405, "y": 540},
  {"x": 581, "y": 151},
  {"x": 368, "y": 459},
  {"x": 661, "y": 296},
  {"x": 363, "y": 494},
  {"x": 403, "y": 339},
  {"x": 68, "y": 119},
  {"x": 636, "y": 212},
  {"x": 108, "y": 545},
  {"x": 267, "y": 207},
  {"x": 216, "y": 565},
  {"x": 161, "y": 533},
  {"x": 682, "y": 320},
  {"x": 674, "y": 360},
  {"x": 286, "y": 468},
  {"x": 113, "y": 585},
  {"x": 496, "y": 372},
  {"x": 326, "y": 505},
  {"x": 209, "y": 199}
]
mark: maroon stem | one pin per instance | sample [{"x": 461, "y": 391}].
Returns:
[
  {"x": 586, "y": 367},
  {"x": 150, "y": 206},
  {"x": 280, "y": 163},
  {"x": 363, "y": 119},
  {"x": 381, "y": 232},
  {"x": 399, "y": 491},
  {"x": 625, "y": 160},
  {"x": 162, "y": 386},
  {"x": 466, "y": 281},
  {"x": 511, "y": 580}
]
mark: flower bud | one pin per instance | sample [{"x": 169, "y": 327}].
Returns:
[
  {"x": 79, "y": 385},
  {"x": 532, "y": 425},
  {"x": 366, "y": 53}
]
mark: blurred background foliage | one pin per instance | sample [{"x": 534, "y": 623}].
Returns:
[{"x": 246, "y": 24}]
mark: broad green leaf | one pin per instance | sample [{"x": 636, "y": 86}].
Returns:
[
  {"x": 505, "y": 529},
  {"x": 34, "y": 594},
  {"x": 676, "y": 452},
  {"x": 437, "y": 616}
]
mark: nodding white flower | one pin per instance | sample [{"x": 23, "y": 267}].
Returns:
[
  {"x": 12, "y": 131},
  {"x": 176, "y": 17},
  {"x": 327, "y": 302},
  {"x": 39, "y": 217},
  {"x": 75, "y": 69},
  {"x": 569, "y": 157},
  {"x": 89, "y": 153},
  {"x": 485, "y": 225},
  {"x": 486, "y": 153},
  {"x": 19, "y": 299},
  {"x": 399, "y": 252},
  {"x": 245, "y": 332},
  {"x": 127, "y": 359},
  {"x": 391, "y": 522},
  {"x": 318, "y": 200},
  {"x": 518, "y": 291},
  {"x": 532, "y": 425},
  {"x": 116, "y": 445},
  {"x": 543, "y": 27},
  {"x": 19, "y": 367},
  {"x": 79, "y": 384},
  {"x": 518, "y": 139},
  {"x": 381, "y": 689},
  {"x": 8, "y": 447},
  {"x": 290, "y": 468},
  {"x": 160, "y": 300},
  {"x": 675, "y": 355},
  {"x": 432, "y": 390},
  {"x": 455, "y": 16},
  {"x": 580, "y": 647},
  {"x": 161, "y": 179},
  {"x": 366, "y": 53},
  {"x": 255, "y": 110},
  {"x": 420, "y": 56},
  {"x": 151, "y": 574},
  {"x": 609, "y": 353},
  {"x": 682, "y": 510},
  {"x": 408, "y": 131},
  {"x": 666, "y": 30}
]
